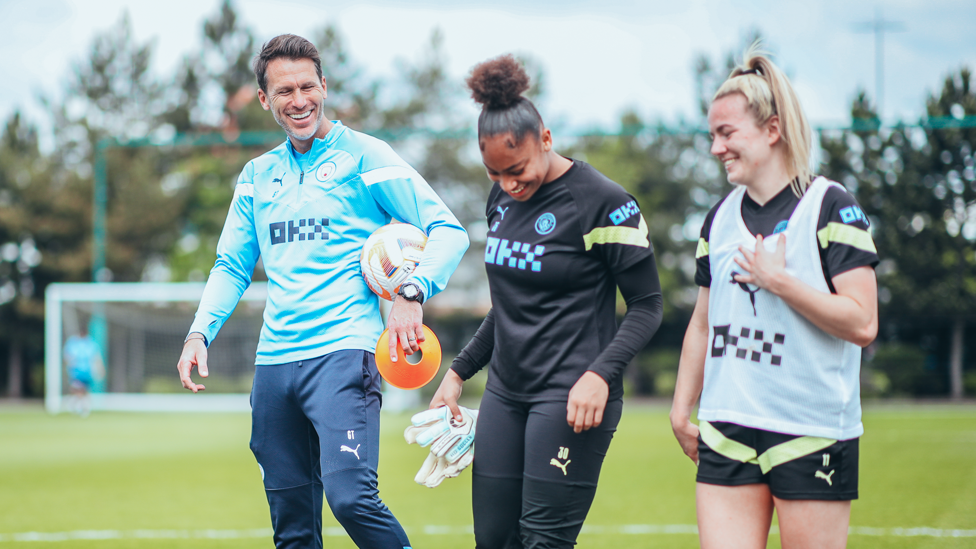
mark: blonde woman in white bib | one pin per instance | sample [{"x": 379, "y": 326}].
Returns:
[{"x": 787, "y": 298}]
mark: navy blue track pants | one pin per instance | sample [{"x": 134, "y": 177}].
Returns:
[{"x": 316, "y": 428}]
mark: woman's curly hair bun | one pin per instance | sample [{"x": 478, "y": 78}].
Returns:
[{"x": 498, "y": 83}]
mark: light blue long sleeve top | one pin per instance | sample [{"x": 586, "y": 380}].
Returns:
[{"x": 308, "y": 216}]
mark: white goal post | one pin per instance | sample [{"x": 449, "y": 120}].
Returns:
[{"x": 140, "y": 327}]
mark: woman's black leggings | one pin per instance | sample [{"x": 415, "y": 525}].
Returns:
[{"x": 534, "y": 478}]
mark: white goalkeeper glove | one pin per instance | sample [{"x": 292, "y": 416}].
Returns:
[{"x": 451, "y": 443}]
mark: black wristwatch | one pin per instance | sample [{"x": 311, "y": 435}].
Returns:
[{"x": 411, "y": 292}]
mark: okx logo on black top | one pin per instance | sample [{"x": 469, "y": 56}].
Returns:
[
  {"x": 499, "y": 252},
  {"x": 302, "y": 229}
]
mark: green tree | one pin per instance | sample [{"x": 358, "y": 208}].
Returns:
[
  {"x": 432, "y": 101},
  {"x": 113, "y": 96},
  {"x": 675, "y": 182},
  {"x": 710, "y": 74},
  {"x": 352, "y": 93},
  {"x": 918, "y": 187},
  {"x": 215, "y": 86},
  {"x": 112, "y": 91},
  {"x": 41, "y": 211},
  {"x": 674, "y": 178},
  {"x": 228, "y": 48}
]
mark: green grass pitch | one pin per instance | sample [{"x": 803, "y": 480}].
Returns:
[{"x": 149, "y": 476}]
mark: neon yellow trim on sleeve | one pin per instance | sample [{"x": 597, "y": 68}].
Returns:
[
  {"x": 846, "y": 234},
  {"x": 702, "y": 250},
  {"x": 618, "y": 235}
]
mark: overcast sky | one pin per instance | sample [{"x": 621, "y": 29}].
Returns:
[{"x": 600, "y": 57}]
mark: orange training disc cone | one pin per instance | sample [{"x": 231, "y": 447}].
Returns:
[{"x": 402, "y": 374}]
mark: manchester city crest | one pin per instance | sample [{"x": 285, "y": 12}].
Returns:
[
  {"x": 325, "y": 171},
  {"x": 545, "y": 224}
]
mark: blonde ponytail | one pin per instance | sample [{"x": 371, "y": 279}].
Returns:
[{"x": 769, "y": 93}]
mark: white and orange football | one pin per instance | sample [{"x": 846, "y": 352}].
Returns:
[{"x": 389, "y": 257}]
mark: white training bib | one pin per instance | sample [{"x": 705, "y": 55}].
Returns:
[{"x": 767, "y": 366}]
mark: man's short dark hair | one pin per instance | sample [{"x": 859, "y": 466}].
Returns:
[{"x": 285, "y": 45}]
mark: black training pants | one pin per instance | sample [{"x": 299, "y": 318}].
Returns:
[{"x": 534, "y": 478}]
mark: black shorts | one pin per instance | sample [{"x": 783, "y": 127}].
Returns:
[{"x": 796, "y": 468}]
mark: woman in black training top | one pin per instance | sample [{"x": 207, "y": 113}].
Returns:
[{"x": 561, "y": 239}]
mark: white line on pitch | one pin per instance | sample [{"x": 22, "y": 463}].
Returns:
[
  {"x": 436, "y": 530},
  {"x": 913, "y": 532},
  {"x": 137, "y": 534}
]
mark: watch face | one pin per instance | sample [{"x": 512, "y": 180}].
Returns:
[{"x": 409, "y": 291}]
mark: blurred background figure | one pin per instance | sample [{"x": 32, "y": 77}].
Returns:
[{"x": 86, "y": 369}]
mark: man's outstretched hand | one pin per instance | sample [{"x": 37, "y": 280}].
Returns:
[{"x": 194, "y": 354}]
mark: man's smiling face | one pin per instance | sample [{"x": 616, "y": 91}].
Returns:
[{"x": 295, "y": 95}]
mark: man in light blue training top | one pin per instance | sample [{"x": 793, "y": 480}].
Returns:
[{"x": 306, "y": 208}]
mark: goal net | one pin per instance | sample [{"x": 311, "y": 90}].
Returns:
[{"x": 138, "y": 329}]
